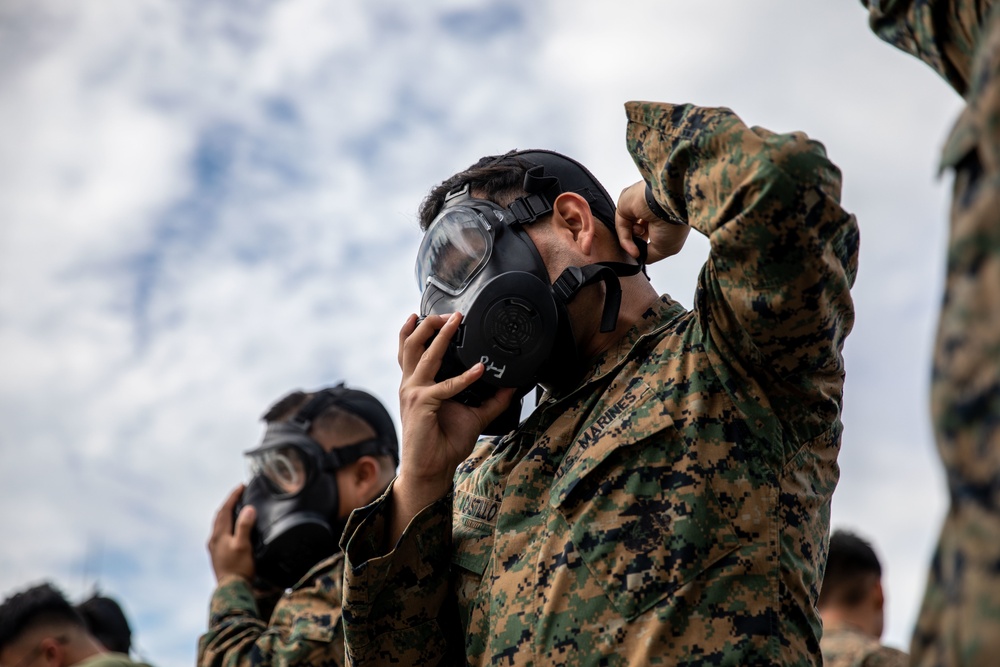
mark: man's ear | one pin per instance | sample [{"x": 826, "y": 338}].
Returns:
[
  {"x": 877, "y": 596},
  {"x": 53, "y": 652},
  {"x": 571, "y": 214},
  {"x": 365, "y": 479}
]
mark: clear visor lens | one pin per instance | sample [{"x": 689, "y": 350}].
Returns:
[
  {"x": 457, "y": 245},
  {"x": 284, "y": 467}
]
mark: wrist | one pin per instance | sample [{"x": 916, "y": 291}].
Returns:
[
  {"x": 658, "y": 211},
  {"x": 409, "y": 497},
  {"x": 417, "y": 492},
  {"x": 226, "y": 578}
]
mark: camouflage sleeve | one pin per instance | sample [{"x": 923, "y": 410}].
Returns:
[
  {"x": 309, "y": 633},
  {"x": 397, "y": 605},
  {"x": 942, "y": 33},
  {"x": 774, "y": 296},
  {"x": 887, "y": 657}
]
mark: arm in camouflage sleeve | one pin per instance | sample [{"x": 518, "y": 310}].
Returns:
[
  {"x": 774, "y": 295},
  {"x": 942, "y": 33},
  {"x": 396, "y": 604},
  {"x": 238, "y": 637}
]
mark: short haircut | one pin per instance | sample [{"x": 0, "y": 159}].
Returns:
[
  {"x": 501, "y": 179},
  {"x": 37, "y": 606},
  {"x": 350, "y": 427},
  {"x": 334, "y": 417},
  {"x": 498, "y": 178},
  {"x": 106, "y": 621},
  {"x": 851, "y": 568}
]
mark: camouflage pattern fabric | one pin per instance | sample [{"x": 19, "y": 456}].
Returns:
[
  {"x": 959, "y": 622},
  {"x": 846, "y": 647},
  {"x": 942, "y": 33},
  {"x": 110, "y": 659},
  {"x": 304, "y": 629},
  {"x": 673, "y": 509}
]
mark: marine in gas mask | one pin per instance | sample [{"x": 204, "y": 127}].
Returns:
[
  {"x": 669, "y": 495},
  {"x": 479, "y": 257},
  {"x": 322, "y": 456}
]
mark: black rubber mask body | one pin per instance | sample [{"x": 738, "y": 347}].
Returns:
[
  {"x": 514, "y": 321},
  {"x": 292, "y": 534},
  {"x": 510, "y": 318}
]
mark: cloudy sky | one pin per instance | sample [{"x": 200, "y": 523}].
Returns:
[{"x": 206, "y": 204}]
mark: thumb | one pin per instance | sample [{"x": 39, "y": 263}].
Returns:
[
  {"x": 495, "y": 405},
  {"x": 625, "y": 229},
  {"x": 244, "y": 524}
]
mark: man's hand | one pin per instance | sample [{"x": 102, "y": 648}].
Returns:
[
  {"x": 438, "y": 433},
  {"x": 230, "y": 550},
  {"x": 633, "y": 218}
]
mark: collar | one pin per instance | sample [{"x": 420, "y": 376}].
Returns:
[{"x": 654, "y": 320}]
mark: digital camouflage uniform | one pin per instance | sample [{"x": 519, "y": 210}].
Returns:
[
  {"x": 847, "y": 647},
  {"x": 674, "y": 507},
  {"x": 110, "y": 659},
  {"x": 959, "y": 623},
  {"x": 304, "y": 629}
]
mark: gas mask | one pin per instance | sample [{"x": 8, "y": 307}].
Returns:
[
  {"x": 477, "y": 258},
  {"x": 293, "y": 485}
]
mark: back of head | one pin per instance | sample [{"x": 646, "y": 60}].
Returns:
[
  {"x": 852, "y": 569},
  {"x": 348, "y": 415},
  {"x": 106, "y": 621},
  {"x": 39, "y": 606}
]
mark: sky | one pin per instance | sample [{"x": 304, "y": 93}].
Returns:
[{"x": 204, "y": 205}]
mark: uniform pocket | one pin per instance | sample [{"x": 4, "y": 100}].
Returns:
[
  {"x": 473, "y": 528},
  {"x": 641, "y": 510}
]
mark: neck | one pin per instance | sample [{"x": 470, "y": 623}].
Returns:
[
  {"x": 82, "y": 646},
  {"x": 838, "y": 618},
  {"x": 637, "y": 295}
]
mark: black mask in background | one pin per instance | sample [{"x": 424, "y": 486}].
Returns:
[{"x": 294, "y": 485}]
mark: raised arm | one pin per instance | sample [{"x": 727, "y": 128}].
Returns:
[
  {"x": 942, "y": 33},
  {"x": 774, "y": 295}
]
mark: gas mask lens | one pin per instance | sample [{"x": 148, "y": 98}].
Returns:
[
  {"x": 284, "y": 467},
  {"x": 454, "y": 249}
]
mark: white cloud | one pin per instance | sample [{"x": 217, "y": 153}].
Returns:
[{"x": 207, "y": 205}]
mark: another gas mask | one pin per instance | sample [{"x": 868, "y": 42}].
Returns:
[{"x": 293, "y": 485}]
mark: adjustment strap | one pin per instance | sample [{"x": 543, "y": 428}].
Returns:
[
  {"x": 339, "y": 457},
  {"x": 315, "y": 407},
  {"x": 530, "y": 208},
  {"x": 575, "y": 278}
]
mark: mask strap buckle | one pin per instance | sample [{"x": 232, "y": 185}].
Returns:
[
  {"x": 575, "y": 278},
  {"x": 535, "y": 204},
  {"x": 530, "y": 208}
]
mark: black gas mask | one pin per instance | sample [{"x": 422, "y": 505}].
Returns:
[
  {"x": 477, "y": 258},
  {"x": 293, "y": 485}
]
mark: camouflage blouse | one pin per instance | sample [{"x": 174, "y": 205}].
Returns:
[{"x": 673, "y": 508}]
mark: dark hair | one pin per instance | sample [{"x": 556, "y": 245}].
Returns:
[
  {"x": 850, "y": 568},
  {"x": 106, "y": 621},
  {"x": 498, "y": 178},
  {"x": 352, "y": 413},
  {"x": 39, "y": 605},
  {"x": 287, "y": 407}
]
